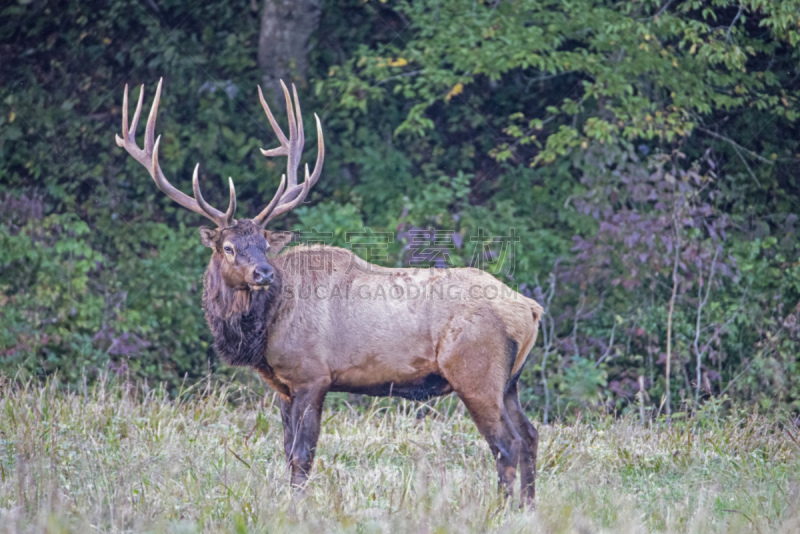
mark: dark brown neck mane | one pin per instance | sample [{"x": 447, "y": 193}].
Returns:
[{"x": 238, "y": 317}]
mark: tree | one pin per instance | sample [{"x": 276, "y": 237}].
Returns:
[{"x": 283, "y": 41}]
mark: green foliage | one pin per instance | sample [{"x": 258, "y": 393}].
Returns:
[
  {"x": 328, "y": 222},
  {"x": 634, "y": 71},
  {"x": 545, "y": 119},
  {"x": 65, "y": 309},
  {"x": 438, "y": 201},
  {"x": 582, "y": 383},
  {"x": 46, "y": 272},
  {"x": 112, "y": 279}
]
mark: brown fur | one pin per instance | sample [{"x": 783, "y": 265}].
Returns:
[{"x": 332, "y": 322}]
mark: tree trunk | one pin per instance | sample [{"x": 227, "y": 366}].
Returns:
[
  {"x": 668, "y": 370},
  {"x": 283, "y": 43}
]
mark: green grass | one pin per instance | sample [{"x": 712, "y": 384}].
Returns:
[{"x": 113, "y": 459}]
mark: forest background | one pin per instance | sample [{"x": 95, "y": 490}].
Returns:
[{"x": 631, "y": 165}]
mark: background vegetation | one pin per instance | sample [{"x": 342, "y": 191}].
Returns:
[{"x": 644, "y": 152}]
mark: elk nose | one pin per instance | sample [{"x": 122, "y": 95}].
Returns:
[{"x": 263, "y": 274}]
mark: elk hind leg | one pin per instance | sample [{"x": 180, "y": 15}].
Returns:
[
  {"x": 469, "y": 358},
  {"x": 530, "y": 443},
  {"x": 495, "y": 425}
]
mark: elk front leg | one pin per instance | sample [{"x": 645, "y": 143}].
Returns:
[
  {"x": 305, "y": 411},
  {"x": 288, "y": 429}
]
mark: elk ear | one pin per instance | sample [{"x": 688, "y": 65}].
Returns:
[
  {"x": 277, "y": 241},
  {"x": 208, "y": 236}
]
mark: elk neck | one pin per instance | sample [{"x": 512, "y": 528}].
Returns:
[{"x": 239, "y": 318}]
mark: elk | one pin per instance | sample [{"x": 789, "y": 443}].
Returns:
[{"x": 319, "y": 319}]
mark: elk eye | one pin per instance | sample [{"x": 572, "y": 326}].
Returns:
[{"x": 228, "y": 249}]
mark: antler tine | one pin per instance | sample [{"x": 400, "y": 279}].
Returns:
[
  {"x": 289, "y": 205},
  {"x": 224, "y": 219},
  {"x": 262, "y": 217},
  {"x": 320, "y": 154},
  {"x": 290, "y": 115},
  {"x": 293, "y": 149},
  {"x": 295, "y": 195},
  {"x": 150, "y": 127},
  {"x": 300, "y": 134},
  {"x": 138, "y": 112},
  {"x": 231, "y": 211},
  {"x": 120, "y": 141},
  {"x": 281, "y": 150},
  {"x": 148, "y": 157},
  {"x": 124, "y": 115},
  {"x": 317, "y": 166},
  {"x": 295, "y": 144}
]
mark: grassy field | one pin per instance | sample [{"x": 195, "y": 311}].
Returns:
[{"x": 111, "y": 459}]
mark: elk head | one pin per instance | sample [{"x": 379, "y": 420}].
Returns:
[{"x": 241, "y": 248}]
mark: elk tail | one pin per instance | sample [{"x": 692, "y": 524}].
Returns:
[
  {"x": 520, "y": 357},
  {"x": 537, "y": 311}
]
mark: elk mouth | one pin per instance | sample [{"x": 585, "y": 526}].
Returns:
[{"x": 259, "y": 287}]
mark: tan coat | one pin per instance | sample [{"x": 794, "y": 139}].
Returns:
[{"x": 369, "y": 328}]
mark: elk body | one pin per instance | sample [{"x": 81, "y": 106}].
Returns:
[{"x": 319, "y": 319}]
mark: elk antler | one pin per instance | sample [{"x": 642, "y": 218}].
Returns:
[
  {"x": 148, "y": 156},
  {"x": 293, "y": 148}
]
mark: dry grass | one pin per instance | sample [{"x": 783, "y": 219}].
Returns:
[{"x": 109, "y": 459}]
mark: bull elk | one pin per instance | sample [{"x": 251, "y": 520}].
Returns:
[{"x": 309, "y": 331}]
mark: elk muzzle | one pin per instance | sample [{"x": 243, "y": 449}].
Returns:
[{"x": 261, "y": 276}]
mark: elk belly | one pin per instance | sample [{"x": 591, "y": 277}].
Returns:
[
  {"x": 418, "y": 379},
  {"x": 420, "y": 389}
]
